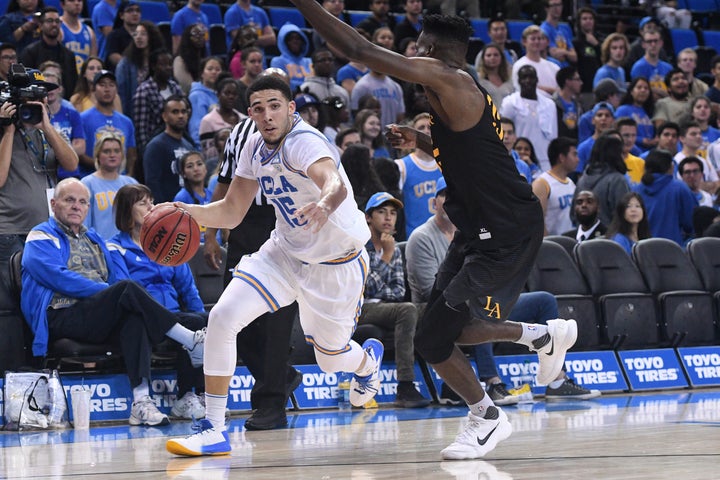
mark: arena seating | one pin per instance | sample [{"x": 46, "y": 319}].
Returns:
[
  {"x": 279, "y": 16},
  {"x": 683, "y": 38},
  {"x": 684, "y": 307},
  {"x": 156, "y": 12},
  {"x": 213, "y": 12},
  {"x": 555, "y": 271},
  {"x": 705, "y": 256},
  {"x": 626, "y": 307},
  {"x": 209, "y": 282}
]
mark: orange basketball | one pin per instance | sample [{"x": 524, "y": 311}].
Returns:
[{"x": 169, "y": 235}]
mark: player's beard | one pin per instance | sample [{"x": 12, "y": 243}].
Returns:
[{"x": 274, "y": 141}]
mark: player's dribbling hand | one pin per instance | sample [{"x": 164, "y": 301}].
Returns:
[
  {"x": 180, "y": 205},
  {"x": 313, "y": 215},
  {"x": 401, "y": 136}
]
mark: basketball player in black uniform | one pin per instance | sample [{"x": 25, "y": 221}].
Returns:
[{"x": 499, "y": 219}]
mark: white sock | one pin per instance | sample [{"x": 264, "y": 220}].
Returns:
[
  {"x": 215, "y": 406},
  {"x": 479, "y": 408},
  {"x": 142, "y": 390},
  {"x": 366, "y": 366},
  {"x": 182, "y": 335},
  {"x": 556, "y": 383},
  {"x": 530, "y": 332}
]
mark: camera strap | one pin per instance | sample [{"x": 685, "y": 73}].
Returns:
[{"x": 42, "y": 158}]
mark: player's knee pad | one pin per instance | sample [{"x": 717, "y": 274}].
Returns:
[
  {"x": 432, "y": 348},
  {"x": 436, "y": 334}
]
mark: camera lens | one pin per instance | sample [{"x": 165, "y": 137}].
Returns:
[
  {"x": 25, "y": 113},
  {"x": 31, "y": 114}
]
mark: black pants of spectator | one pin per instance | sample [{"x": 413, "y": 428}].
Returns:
[
  {"x": 189, "y": 377},
  {"x": 123, "y": 313},
  {"x": 264, "y": 345}
]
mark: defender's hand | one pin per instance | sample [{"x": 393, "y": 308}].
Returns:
[{"x": 401, "y": 137}]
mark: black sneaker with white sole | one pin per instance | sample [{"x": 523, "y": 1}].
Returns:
[
  {"x": 500, "y": 395},
  {"x": 448, "y": 396},
  {"x": 569, "y": 390}
]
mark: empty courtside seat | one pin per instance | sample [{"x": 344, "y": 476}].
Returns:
[
  {"x": 627, "y": 310},
  {"x": 705, "y": 256},
  {"x": 555, "y": 272},
  {"x": 685, "y": 308}
]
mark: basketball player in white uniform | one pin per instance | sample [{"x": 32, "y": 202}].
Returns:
[{"x": 315, "y": 255}]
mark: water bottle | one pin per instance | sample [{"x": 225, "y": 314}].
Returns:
[
  {"x": 57, "y": 401},
  {"x": 343, "y": 392}
]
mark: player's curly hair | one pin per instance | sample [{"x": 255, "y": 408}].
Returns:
[{"x": 448, "y": 27}]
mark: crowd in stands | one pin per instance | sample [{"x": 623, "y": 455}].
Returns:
[{"x": 618, "y": 135}]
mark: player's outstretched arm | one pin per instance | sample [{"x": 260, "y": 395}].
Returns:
[
  {"x": 332, "y": 193},
  {"x": 228, "y": 212}
]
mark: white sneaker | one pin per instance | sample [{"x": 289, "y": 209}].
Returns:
[
  {"x": 144, "y": 412},
  {"x": 198, "y": 349},
  {"x": 363, "y": 389},
  {"x": 208, "y": 441},
  {"x": 480, "y": 436},
  {"x": 189, "y": 406},
  {"x": 551, "y": 356}
]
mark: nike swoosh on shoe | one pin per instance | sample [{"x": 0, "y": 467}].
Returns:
[{"x": 487, "y": 437}]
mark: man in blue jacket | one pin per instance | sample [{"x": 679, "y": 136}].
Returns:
[{"x": 70, "y": 289}]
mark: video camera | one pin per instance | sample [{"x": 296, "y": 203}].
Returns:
[{"x": 20, "y": 89}]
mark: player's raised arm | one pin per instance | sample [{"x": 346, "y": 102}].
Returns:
[{"x": 356, "y": 47}]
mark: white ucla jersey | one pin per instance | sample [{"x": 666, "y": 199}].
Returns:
[
  {"x": 282, "y": 176},
  {"x": 557, "y": 216}
]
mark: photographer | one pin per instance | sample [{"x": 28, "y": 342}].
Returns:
[{"x": 30, "y": 152}]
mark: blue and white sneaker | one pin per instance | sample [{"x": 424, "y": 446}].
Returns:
[
  {"x": 363, "y": 389},
  {"x": 208, "y": 441}
]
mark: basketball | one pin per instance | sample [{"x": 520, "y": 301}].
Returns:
[{"x": 169, "y": 235}]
